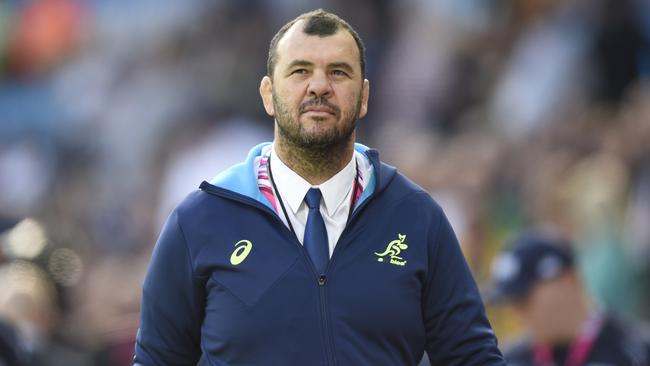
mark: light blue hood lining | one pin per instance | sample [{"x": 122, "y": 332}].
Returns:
[{"x": 241, "y": 179}]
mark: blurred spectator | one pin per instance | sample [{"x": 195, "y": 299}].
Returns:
[
  {"x": 537, "y": 276},
  {"x": 618, "y": 48},
  {"x": 10, "y": 352},
  {"x": 29, "y": 300},
  {"x": 44, "y": 33},
  {"x": 544, "y": 74},
  {"x": 23, "y": 163}
]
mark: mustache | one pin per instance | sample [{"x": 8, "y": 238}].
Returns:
[{"x": 319, "y": 101}]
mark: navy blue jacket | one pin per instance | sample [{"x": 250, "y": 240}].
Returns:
[{"x": 229, "y": 284}]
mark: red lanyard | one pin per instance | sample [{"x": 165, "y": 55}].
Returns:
[
  {"x": 580, "y": 349},
  {"x": 356, "y": 194}
]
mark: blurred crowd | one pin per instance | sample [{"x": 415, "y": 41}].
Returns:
[{"x": 511, "y": 113}]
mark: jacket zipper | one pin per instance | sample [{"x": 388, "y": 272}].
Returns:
[
  {"x": 329, "y": 347},
  {"x": 322, "y": 281},
  {"x": 321, "y": 277}
]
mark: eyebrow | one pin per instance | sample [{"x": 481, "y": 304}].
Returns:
[
  {"x": 342, "y": 65},
  {"x": 299, "y": 63}
]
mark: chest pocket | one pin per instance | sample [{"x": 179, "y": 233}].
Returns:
[{"x": 250, "y": 270}]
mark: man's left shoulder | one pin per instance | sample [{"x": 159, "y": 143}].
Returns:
[{"x": 414, "y": 194}]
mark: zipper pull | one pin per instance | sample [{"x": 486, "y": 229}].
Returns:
[{"x": 321, "y": 280}]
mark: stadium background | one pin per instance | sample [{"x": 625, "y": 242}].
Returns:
[{"x": 510, "y": 112}]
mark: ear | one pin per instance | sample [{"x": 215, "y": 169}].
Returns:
[
  {"x": 266, "y": 92},
  {"x": 365, "y": 92}
]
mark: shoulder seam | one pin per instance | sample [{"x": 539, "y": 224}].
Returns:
[
  {"x": 187, "y": 247},
  {"x": 416, "y": 192}
]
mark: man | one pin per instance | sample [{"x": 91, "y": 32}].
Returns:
[
  {"x": 10, "y": 350},
  {"x": 312, "y": 252},
  {"x": 538, "y": 278}
]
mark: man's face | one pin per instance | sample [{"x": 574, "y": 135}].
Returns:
[
  {"x": 545, "y": 310},
  {"x": 317, "y": 92}
]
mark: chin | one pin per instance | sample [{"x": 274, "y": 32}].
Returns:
[{"x": 318, "y": 118}]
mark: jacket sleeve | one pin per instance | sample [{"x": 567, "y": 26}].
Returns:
[
  {"x": 457, "y": 329},
  {"x": 172, "y": 304}
]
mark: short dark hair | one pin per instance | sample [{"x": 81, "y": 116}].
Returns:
[{"x": 319, "y": 23}]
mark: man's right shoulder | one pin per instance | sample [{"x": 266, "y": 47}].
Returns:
[
  {"x": 199, "y": 211},
  {"x": 204, "y": 204},
  {"x": 193, "y": 202}
]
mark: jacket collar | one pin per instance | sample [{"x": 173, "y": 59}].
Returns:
[{"x": 241, "y": 178}]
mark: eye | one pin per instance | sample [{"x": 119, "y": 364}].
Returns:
[
  {"x": 337, "y": 72},
  {"x": 299, "y": 71}
]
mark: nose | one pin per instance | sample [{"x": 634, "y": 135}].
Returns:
[{"x": 319, "y": 85}]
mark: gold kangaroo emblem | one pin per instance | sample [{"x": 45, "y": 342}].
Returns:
[{"x": 393, "y": 249}]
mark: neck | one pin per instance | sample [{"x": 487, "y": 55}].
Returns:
[{"x": 315, "y": 164}]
